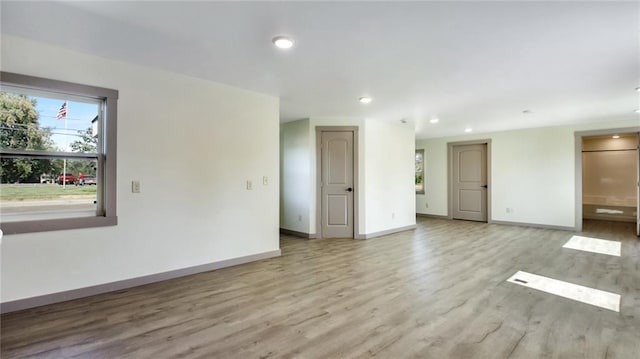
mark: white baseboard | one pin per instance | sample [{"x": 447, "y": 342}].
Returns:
[
  {"x": 508, "y": 223},
  {"x": 38, "y": 301},
  {"x": 425, "y": 215},
  {"x": 535, "y": 225},
  {"x": 386, "y": 232},
  {"x": 297, "y": 234}
]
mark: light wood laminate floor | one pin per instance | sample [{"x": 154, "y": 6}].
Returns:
[{"x": 436, "y": 292}]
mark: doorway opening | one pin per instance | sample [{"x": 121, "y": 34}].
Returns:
[{"x": 607, "y": 177}]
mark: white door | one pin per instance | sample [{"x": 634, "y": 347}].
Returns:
[
  {"x": 337, "y": 184},
  {"x": 638, "y": 187},
  {"x": 470, "y": 182}
]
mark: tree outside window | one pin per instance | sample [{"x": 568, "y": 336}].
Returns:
[
  {"x": 419, "y": 171},
  {"x": 57, "y": 155}
]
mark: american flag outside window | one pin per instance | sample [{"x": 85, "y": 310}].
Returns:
[{"x": 62, "y": 112}]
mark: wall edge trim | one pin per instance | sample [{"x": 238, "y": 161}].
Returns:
[
  {"x": 534, "y": 225},
  {"x": 297, "y": 234},
  {"x": 385, "y": 232},
  {"x": 436, "y": 216}
]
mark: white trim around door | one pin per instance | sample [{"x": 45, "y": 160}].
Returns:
[
  {"x": 356, "y": 188},
  {"x": 450, "y": 146}
]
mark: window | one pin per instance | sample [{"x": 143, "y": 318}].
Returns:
[
  {"x": 57, "y": 155},
  {"x": 419, "y": 171}
]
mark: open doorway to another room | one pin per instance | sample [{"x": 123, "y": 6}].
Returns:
[{"x": 610, "y": 178}]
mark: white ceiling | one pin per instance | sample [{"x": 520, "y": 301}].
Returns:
[{"x": 477, "y": 64}]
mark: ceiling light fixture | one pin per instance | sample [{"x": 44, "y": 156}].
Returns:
[
  {"x": 615, "y": 136},
  {"x": 637, "y": 111},
  {"x": 468, "y": 129},
  {"x": 434, "y": 120},
  {"x": 282, "y": 42},
  {"x": 365, "y": 99},
  {"x": 638, "y": 89}
]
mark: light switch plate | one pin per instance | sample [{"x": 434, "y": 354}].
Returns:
[{"x": 135, "y": 186}]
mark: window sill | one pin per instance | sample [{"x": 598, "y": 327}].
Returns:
[{"x": 57, "y": 224}]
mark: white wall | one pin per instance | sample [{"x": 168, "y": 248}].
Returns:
[
  {"x": 385, "y": 174},
  {"x": 295, "y": 170},
  {"x": 210, "y": 136},
  {"x": 389, "y": 176},
  {"x": 532, "y": 171}
]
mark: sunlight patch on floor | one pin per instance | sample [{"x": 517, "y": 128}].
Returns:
[
  {"x": 598, "y": 298},
  {"x": 594, "y": 245}
]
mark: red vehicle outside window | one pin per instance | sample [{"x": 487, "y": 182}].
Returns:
[{"x": 67, "y": 178}]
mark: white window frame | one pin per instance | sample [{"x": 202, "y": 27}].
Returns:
[{"x": 106, "y": 156}]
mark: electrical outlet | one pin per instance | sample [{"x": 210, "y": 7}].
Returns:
[
  {"x": 299, "y": 218},
  {"x": 265, "y": 180},
  {"x": 135, "y": 186},
  {"x": 426, "y": 205},
  {"x": 393, "y": 215},
  {"x": 249, "y": 185}
]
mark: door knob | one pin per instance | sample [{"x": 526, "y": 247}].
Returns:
[
  {"x": 485, "y": 186},
  {"x": 349, "y": 189}
]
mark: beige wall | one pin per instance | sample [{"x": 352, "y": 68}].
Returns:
[
  {"x": 604, "y": 143},
  {"x": 609, "y": 173}
]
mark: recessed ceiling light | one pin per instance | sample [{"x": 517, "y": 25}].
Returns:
[
  {"x": 615, "y": 136},
  {"x": 468, "y": 129},
  {"x": 434, "y": 120},
  {"x": 638, "y": 89},
  {"x": 365, "y": 99},
  {"x": 637, "y": 111},
  {"x": 282, "y": 42}
]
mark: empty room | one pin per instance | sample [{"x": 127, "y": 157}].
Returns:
[{"x": 339, "y": 179}]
